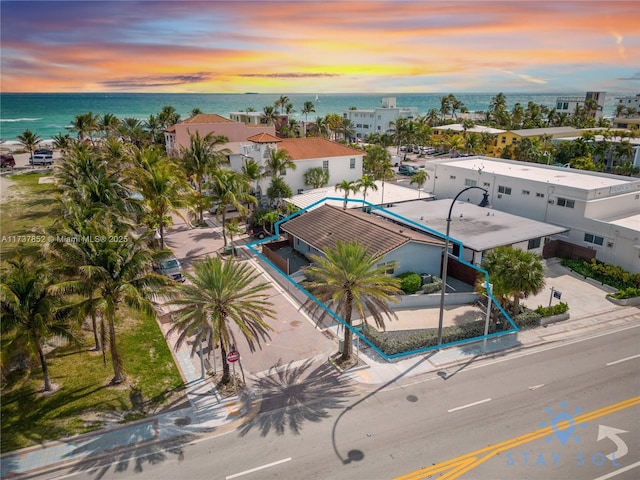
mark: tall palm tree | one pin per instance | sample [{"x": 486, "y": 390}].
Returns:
[
  {"x": 316, "y": 177},
  {"x": 133, "y": 131},
  {"x": 63, "y": 142},
  {"x": 377, "y": 162},
  {"x": 347, "y": 129},
  {"x": 29, "y": 140},
  {"x": 168, "y": 116},
  {"x": 281, "y": 103},
  {"x": 322, "y": 128},
  {"x": 164, "y": 190},
  {"x": 347, "y": 186},
  {"x": 229, "y": 189},
  {"x": 514, "y": 273},
  {"x": 367, "y": 182},
  {"x": 347, "y": 278},
  {"x": 278, "y": 162},
  {"x": 307, "y": 108},
  {"x": 119, "y": 267},
  {"x": 201, "y": 159},
  {"x": 419, "y": 178},
  {"x": 223, "y": 297},
  {"x": 32, "y": 307},
  {"x": 108, "y": 124}
]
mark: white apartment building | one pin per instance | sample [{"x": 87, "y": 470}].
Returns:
[
  {"x": 342, "y": 162},
  {"x": 378, "y": 119},
  {"x": 630, "y": 102},
  {"x": 601, "y": 211},
  {"x": 569, "y": 104}
]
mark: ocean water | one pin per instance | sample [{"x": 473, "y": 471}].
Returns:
[{"x": 49, "y": 114}]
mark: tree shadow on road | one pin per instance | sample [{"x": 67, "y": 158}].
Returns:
[{"x": 292, "y": 395}]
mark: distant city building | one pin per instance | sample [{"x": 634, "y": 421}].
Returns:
[
  {"x": 378, "y": 120},
  {"x": 569, "y": 104},
  {"x": 630, "y": 102},
  {"x": 601, "y": 211}
]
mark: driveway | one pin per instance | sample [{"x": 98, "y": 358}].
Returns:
[{"x": 584, "y": 297}]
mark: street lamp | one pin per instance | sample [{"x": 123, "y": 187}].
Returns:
[
  {"x": 445, "y": 253},
  {"x": 489, "y": 288}
]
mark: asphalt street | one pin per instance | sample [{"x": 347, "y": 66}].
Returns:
[{"x": 485, "y": 422}]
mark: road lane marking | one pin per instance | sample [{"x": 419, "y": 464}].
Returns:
[
  {"x": 464, "y": 463},
  {"x": 469, "y": 405},
  {"x": 622, "y": 360},
  {"x": 246, "y": 472},
  {"x": 618, "y": 472},
  {"x": 535, "y": 387}
]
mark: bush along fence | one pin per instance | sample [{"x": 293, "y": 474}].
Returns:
[{"x": 628, "y": 284}]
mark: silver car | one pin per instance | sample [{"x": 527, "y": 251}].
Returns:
[{"x": 169, "y": 266}]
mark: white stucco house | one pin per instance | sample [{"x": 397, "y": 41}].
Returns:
[{"x": 342, "y": 162}]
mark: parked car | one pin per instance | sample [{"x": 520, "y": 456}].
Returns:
[
  {"x": 42, "y": 156},
  {"x": 7, "y": 160},
  {"x": 257, "y": 231},
  {"x": 407, "y": 170},
  {"x": 169, "y": 266}
]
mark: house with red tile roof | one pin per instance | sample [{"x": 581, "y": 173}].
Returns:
[
  {"x": 342, "y": 162},
  {"x": 179, "y": 135}
]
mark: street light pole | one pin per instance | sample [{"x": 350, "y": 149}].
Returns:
[
  {"x": 488, "y": 287},
  {"x": 445, "y": 254}
]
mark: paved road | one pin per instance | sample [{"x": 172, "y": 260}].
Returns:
[{"x": 316, "y": 426}]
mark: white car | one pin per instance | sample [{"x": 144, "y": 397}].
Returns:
[{"x": 42, "y": 156}]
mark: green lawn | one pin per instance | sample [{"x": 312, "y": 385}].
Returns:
[{"x": 84, "y": 400}]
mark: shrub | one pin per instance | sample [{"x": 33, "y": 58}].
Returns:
[
  {"x": 627, "y": 293},
  {"x": 558, "y": 309},
  {"x": 434, "y": 286},
  {"x": 410, "y": 282},
  {"x": 612, "y": 275},
  {"x": 527, "y": 319}
]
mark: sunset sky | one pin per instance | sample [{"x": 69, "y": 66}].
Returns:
[{"x": 320, "y": 46}]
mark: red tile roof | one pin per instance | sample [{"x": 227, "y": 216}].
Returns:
[
  {"x": 207, "y": 118},
  {"x": 263, "y": 138},
  {"x": 316, "y": 147}
]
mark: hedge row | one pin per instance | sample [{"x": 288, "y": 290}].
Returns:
[
  {"x": 612, "y": 275},
  {"x": 558, "y": 309}
]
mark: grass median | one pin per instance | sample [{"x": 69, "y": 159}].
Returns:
[{"x": 82, "y": 401}]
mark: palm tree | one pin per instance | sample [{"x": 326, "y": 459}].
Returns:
[
  {"x": 63, "y": 142},
  {"x": 432, "y": 117},
  {"x": 377, "y": 162},
  {"x": 201, "y": 159},
  {"x": 154, "y": 127},
  {"x": 281, "y": 103},
  {"x": 164, "y": 189},
  {"x": 222, "y": 296},
  {"x": 29, "y": 140},
  {"x": 85, "y": 125},
  {"x": 229, "y": 188},
  {"x": 168, "y": 116},
  {"x": 316, "y": 177},
  {"x": 347, "y": 186},
  {"x": 322, "y": 128},
  {"x": 346, "y": 129},
  {"x": 269, "y": 115},
  {"x": 278, "y": 162},
  {"x": 367, "y": 182},
  {"x": 133, "y": 131},
  {"x": 398, "y": 130},
  {"x": 277, "y": 190},
  {"x": 347, "y": 278},
  {"x": 514, "y": 273},
  {"x": 108, "y": 124},
  {"x": 307, "y": 108},
  {"x": 419, "y": 178},
  {"x": 30, "y": 304},
  {"x": 233, "y": 229}
]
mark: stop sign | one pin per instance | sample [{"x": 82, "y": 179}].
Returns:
[{"x": 233, "y": 356}]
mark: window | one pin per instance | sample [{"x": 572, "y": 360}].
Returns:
[
  {"x": 565, "y": 202},
  {"x": 534, "y": 243},
  {"x": 503, "y": 140},
  {"x": 595, "y": 239},
  {"x": 452, "y": 177},
  {"x": 283, "y": 171},
  {"x": 525, "y": 192},
  {"x": 486, "y": 184},
  {"x": 505, "y": 190},
  {"x": 352, "y": 163},
  {"x": 470, "y": 183},
  {"x": 325, "y": 165},
  {"x": 389, "y": 267},
  {"x": 365, "y": 126},
  {"x": 358, "y": 125},
  {"x": 539, "y": 195}
]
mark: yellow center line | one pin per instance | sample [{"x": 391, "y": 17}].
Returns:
[{"x": 464, "y": 463}]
